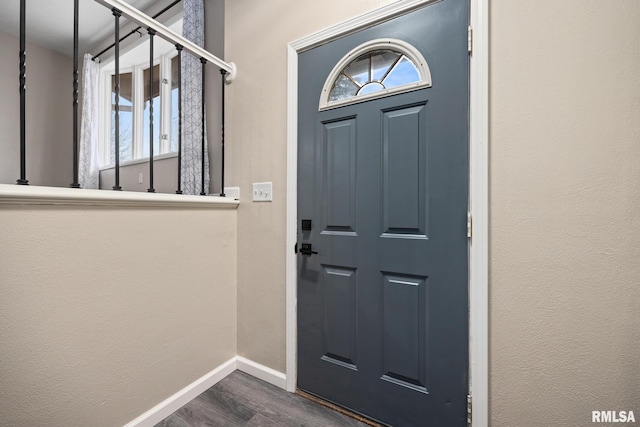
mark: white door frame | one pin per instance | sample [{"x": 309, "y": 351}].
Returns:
[{"x": 478, "y": 189}]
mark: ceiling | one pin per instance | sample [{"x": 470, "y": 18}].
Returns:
[{"x": 50, "y": 22}]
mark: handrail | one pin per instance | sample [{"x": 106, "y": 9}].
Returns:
[
  {"x": 171, "y": 36},
  {"x": 135, "y": 30}
]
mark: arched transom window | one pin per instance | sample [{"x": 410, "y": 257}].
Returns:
[{"x": 373, "y": 70}]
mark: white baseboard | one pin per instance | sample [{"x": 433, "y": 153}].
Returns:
[
  {"x": 184, "y": 396},
  {"x": 167, "y": 407},
  {"x": 262, "y": 372}
]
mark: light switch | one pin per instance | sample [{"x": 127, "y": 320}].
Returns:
[
  {"x": 232, "y": 192},
  {"x": 262, "y": 191}
]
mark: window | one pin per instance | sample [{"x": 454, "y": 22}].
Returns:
[
  {"x": 373, "y": 70},
  {"x": 135, "y": 94}
]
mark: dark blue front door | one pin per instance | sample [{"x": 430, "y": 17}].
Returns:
[{"x": 383, "y": 304}]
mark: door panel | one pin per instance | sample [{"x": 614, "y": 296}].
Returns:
[
  {"x": 404, "y": 331},
  {"x": 339, "y": 316},
  {"x": 339, "y": 174},
  {"x": 383, "y": 305},
  {"x": 404, "y": 140}
]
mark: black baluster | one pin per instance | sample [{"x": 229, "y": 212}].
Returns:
[
  {"x": 75, "y": 183},
  {"x": 179, "y": 49},
  {"x": 23, "y": 110},
  {"x": 152, "y": 33},
  {"x": 204, "y": 63},
  {"x": 117, "y": 15},
  {"x": 223, "y": 73}
]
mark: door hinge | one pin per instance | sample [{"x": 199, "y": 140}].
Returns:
[
  {"x": 469, "y": 225},
  {"x": 469, "y": 39},
  {"x": 469, "y": 410}
]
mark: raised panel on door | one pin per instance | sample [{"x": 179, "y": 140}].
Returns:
[
  {"x": 339, "y": 306},
  {"x": 404, "y": 191},
  {"x": 404, "y": 334},
  {"x": 339, "y": 175}
]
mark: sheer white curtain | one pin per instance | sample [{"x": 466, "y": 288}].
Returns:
[
  {"x": 88, "y": 164},
  {"x": 193, "y": 29}
]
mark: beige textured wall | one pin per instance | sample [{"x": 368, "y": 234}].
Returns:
[
  {"x": 565, "y": 210},
  {"x": 102, "y": 317},
  {"x": 49, "y": 114},
  {"x": 165, "y": 176},
  {"x": 257, "y": 34}
]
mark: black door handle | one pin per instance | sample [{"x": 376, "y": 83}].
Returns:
[{"x": 306, "y": 249}]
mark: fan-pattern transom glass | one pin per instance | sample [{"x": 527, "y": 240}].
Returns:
[
  {"x": 372, "y": 72},
  {"x": 375, "y": 69}
]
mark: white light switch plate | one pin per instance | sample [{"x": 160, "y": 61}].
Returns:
[{"x": 262, "y": 191}]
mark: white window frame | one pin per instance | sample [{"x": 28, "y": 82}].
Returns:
[{"x": 137, "y": 70}]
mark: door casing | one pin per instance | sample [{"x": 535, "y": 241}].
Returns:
[{"x": 478, "y": 188}]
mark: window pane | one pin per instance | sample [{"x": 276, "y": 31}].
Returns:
[
  {"x": 370, "y": 87},
  {"x": 359, "y": 69},
  {"x": 175, "y": 64},
  {"x": 155, "y": 92},
  {"x": 343, "y": 88},
  {"x": 381, "y": 61},
  {"x": 403, "y": 73},
  {"x": 126, "y": 118}
]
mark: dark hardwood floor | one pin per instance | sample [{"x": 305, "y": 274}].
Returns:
[{"x": 242, "y": 400}]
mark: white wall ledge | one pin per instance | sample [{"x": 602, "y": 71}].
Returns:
[{"x": 18, "y": 195}]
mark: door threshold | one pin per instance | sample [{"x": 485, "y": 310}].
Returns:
[{"x": 340, "y": 409}]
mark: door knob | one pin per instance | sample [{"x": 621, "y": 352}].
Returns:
[{"x": 307, "y": 250}]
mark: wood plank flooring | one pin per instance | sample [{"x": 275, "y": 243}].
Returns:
[{"x": 243, "y": 400}]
